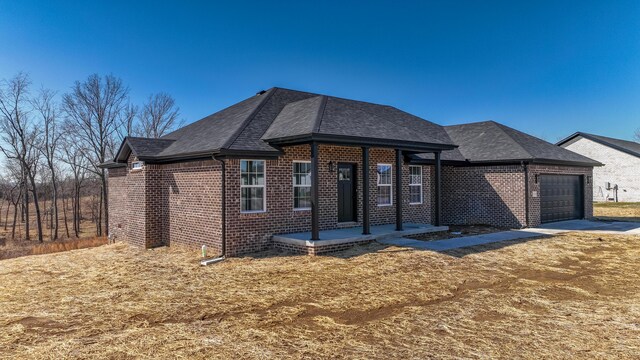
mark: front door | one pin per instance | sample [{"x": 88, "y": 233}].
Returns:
[{"x": 346, "y": 192}]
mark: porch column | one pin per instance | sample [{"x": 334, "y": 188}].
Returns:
[
  {"x": 437, "y": 189},
  {"x": 366, "y": 228},
  {"x": 315, "y": 193},
  {"x": 398, "y": 190}
]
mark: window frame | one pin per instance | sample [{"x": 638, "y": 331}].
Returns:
[
  {"x": 137, "y": 165},
  {"x": 293, "y": 182},
  {"x": 416, "y": 185},
  {"x": 390, "y": 185},
  {"x": 263, "y": 186}
]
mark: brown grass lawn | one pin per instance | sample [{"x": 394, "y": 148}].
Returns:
[
  {"x": 569, "y": 296},
  {"x": 617, "y": 211},
  {"x": 10, "y": 248}
]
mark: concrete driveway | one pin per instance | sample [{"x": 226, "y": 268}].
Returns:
[
  {"x": 615, "y": 227},
  {"x": 608, "y": 227}
]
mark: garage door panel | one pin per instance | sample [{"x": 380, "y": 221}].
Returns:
[{"x": 560, "y": 197}]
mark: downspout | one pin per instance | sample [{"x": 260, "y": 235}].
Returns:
[
  {"x": 526, "y": 193},
  {"x": 223, "y": 218}
]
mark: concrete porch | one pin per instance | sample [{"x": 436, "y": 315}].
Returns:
[{"x": 340, "y": 239}]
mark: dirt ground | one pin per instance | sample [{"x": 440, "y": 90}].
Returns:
[
  {"x": 569, "y": 296},
  {"x": 617, "y": 211},
  {"x": 456, "y": 231}
]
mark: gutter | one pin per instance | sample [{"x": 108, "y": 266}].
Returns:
[{"x": 224, "y": 220}]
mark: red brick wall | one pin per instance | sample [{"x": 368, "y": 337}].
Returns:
[
  {"x": 495, "y": 195},
  {"x": 491, "y": 195},
  {"x": 179, "y": 204},
  {"x": 118, "y": 205},
  {"x": 172, "y": 204},
  {"x": 252, "y": 232},
  {"x": 192, "y": 204}
]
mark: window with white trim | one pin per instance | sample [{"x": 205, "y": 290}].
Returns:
[
  {"x": 385, "y": 183},
  {"x": 302, "y": 185},
  {"x": 252, "y": 186},
  {"x": 415, "y": 184},
  {"x": 137, "y": 165}
]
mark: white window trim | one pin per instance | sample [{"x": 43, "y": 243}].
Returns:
[
  {"x": 410, "y": 185},
  {"x": 134, "y": 163},
  {"x": 389, "y": 185},
  {"x": 264, "y": 186},
  {"x": 293, "y": 182}
]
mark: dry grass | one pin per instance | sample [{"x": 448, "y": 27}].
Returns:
[
  {"x": 570, "y": 296},
  {"x": 617, "y": 211},
  {"x": 456, "y": 231},
  {"x": 24, "y": 248},
  {"x": 12, "y": 248}
]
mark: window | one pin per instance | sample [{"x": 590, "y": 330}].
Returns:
[
  {"x": 252, "y": 186},
  {"x": 385, "y": 183},
  {"x": 415, "y": 184},
  {"x": 302, "y": 185},
  {"x": 137, "y": 165}
]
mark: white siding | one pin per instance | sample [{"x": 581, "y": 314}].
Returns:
[{"x": 620, "y": 168}]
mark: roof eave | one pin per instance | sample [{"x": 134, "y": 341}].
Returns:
[
  {"x": 360, "y": 141},
  {"x": 599, "y": 141},
  {"x": 509, "y": 162},
  {"x": 112, "y": 165}
]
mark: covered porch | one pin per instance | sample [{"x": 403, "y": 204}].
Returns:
[
  {"x": 402, "y": 151},
  {"x": 340, "y": 239}
]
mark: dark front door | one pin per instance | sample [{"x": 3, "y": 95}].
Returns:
[
  {"x": 346, "y": 192},
  {"x": 561, "y": 198}
]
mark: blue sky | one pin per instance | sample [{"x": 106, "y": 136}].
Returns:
[{"x": 549, "y": 68}]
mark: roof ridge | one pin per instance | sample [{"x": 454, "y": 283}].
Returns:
[
  {"x": 471, "y": 123},
  {"x": 500, "y": 126},
  {"x": 227, "y": 144},
  {"x": 318, "y": 120}
]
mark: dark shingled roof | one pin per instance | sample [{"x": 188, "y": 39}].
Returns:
[
  {"x": 629, "y": 147},
  {"x": 262, "y": 123},
  {"x": 142, "y": 147},
  {"x": 492, "y": 142},
  {"x": 329, "y": 115},
  {"x": 250, "y": 125}
]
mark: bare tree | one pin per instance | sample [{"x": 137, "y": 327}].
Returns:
[
  {"x": 94, "y": 109},
  {"x": 159, "y": 116},
  {"x": 73, "y": 155},
  {"x": 128, "y": 125},
  {"x": 50, "y": 139},
  {"x": 637, "y": 135},
  {"x": 15, "y": 178},
  {"x": 19, "y": 136}
]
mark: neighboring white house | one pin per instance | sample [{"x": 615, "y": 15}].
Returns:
[{"x": 619, "y": 178}]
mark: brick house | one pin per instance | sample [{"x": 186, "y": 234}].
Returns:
[
  {"x": 617, "y": 180},
  {"x": 290, "y": 162}
]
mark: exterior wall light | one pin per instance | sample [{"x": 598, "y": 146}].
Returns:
[{"x": 332, "y": 166}]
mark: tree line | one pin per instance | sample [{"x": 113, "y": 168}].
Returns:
[{"x": 54, "y": 143}]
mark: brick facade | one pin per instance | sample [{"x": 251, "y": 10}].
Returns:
[
  {"x": 495, "y": 195},
  {"x": 180, "y": 204},
  {"x": 491, "y": 195},
  {"x": 252, "y": 231}
]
